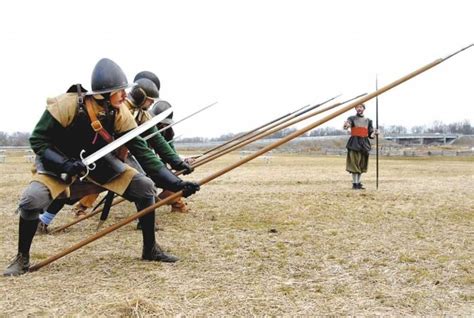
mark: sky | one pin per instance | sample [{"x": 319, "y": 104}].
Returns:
[{"x": 258, "y": 59}]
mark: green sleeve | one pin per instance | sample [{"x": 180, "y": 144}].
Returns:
[
  {"x": 146, "y": 158},
  {"x": 161, "y": 146},
  {"x": 42, "y": 136},
  {"x": 171, "y": 144}
]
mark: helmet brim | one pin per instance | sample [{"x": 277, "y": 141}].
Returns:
[{"x": 100, "y": 92}]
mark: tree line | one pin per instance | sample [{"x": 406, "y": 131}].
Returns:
[
  {"x": 14, "y": 139},
  {"x": 461, "y": 128}
]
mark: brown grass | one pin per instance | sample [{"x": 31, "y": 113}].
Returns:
[{"x": 285, "y": 238}]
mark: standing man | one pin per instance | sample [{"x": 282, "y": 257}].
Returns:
[
  {"x": 72, "y": 123},
  {"x": 358, "y": 145}
]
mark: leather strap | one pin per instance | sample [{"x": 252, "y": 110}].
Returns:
[{"x": 96, "y": 125}]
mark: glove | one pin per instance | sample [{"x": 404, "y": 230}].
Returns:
[
  {"x": 183, "y": 165},
  {"x": 166, "y": 180},
  {"x": 189, "y": 188},
  {"x": 63, "y": 167},
  {"x": 189, "y": 160},
  {"x": 74, "y": 167}
]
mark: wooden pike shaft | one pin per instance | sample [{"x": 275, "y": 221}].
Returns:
[
  {"x": 267, "y": 133},
  {"x": 256, "y": 133},
  {"x": 84, "y": 217},
  {"x": 239, "y": 163},
  {"x": 236, "y": 138}
]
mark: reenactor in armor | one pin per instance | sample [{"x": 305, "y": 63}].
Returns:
[
  {"x": 179, "y": 205},
  {"x": 75, "y": 122},
  {"x": 358, "y": 146},
  {"x": 140, "y": 98}
]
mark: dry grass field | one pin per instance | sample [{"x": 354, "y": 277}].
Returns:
[{"x": 288, "y": 237}]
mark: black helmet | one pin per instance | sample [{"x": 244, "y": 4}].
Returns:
[
  {"x": 160, "y": 107},
  {"x": 107, "y": 76},
  {"x": 149, "y": 87},
  {"x": 149, "y": 75},
  {"x": 144, "y": 89}
]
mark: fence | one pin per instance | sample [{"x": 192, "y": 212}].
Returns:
[
  {"x": 17, "y": 152},
  {"x": 303, "y": 148}
]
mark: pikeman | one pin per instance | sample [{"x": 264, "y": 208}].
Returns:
[
  {"x": 141, "y": 97},
  {"x": 179, "y": 205},
  {"x": 63, "y": 132},
  {"x": 358, "y": 146}
]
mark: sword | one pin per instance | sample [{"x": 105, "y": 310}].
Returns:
[
  {"x": 171, "y": 125},
  {"x": 90, "y": 160},
  {"x": 174, "y": 139}
]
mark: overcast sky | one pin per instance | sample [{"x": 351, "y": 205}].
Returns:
[{"x": 258, "y": 59}]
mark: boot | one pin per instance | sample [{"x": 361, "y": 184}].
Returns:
[
  {"x": 19, "y": 266},
  {"x": 179, "y": 206},
  {"x": 156, "y": 254},
  {"x": 21, "y": 263},
  {"x": 79, "y": 210},
  {"x": 355, "y": 186},
  {"x": 360, "y": 186},
  {"x": 42, "y": 228}
]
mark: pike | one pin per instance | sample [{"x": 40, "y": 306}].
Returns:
[
  {"x": 183, "y": 119},
  {"x": 90, "y": 160},
  {"x": 302, "y": 110},
  {"x": 225, "y": 170},
  {"x": 268, "y": 132},
  {"x": 377, "y": 135},
  {"x": 256, "y": 132}
]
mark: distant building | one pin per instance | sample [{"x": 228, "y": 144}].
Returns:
[{"x": 423, "y": 139}]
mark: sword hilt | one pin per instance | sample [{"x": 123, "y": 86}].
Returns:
[{"x": 89, "y": 167}]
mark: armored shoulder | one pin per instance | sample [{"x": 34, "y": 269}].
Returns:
[
  {"x": 124, "y": 120},
  {"x": 63, "y": 108}
]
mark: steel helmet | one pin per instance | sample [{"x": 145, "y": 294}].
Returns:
[
  {"x": 144, "y": 89},
  {"x": 149, "y": 75},
  {"x": 107, "y": 77},
  {"x": 160, "y": 107}
]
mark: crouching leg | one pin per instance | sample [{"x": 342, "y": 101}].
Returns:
[
  {"x": 142, "y": 192},
  {"x": 34, "y": 199}
]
